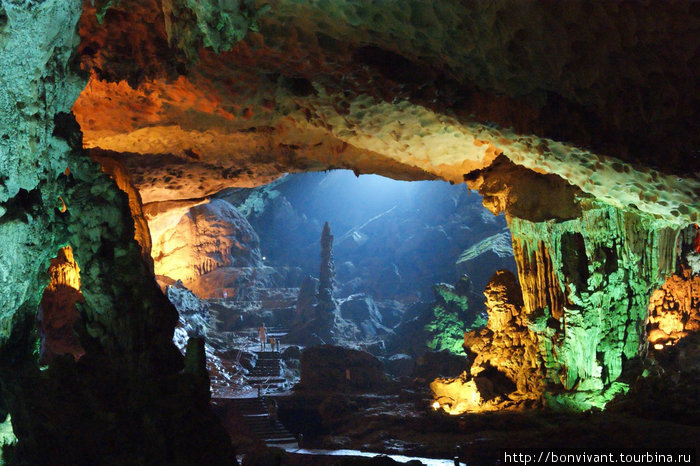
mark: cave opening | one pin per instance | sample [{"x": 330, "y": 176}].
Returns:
[{"x": 405, "y": 267}]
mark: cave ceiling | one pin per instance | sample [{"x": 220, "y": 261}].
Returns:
[{"x": 196, "y": 97}]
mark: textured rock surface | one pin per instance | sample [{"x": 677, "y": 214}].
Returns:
[
  {"x": 506, "y": 367},
  {"x": 507, "y": 344},
  {"x": 363, "y": 311},
  {"x": 410, "y": 89},
  {"x": 321, "y": 85},
  {"x": 52, "y": 195},
  {"x": 335, "y": 369},
  {"x": 318, "y": 320},
  {"x": 453, "y": 312},
  {"x": 119, "y": 173},
  {"x": 57, "y": 309},
  {"x": 209, "y": 236},
  {"x": 586, "y": 284},
  {"x": 674, "y": 309}
]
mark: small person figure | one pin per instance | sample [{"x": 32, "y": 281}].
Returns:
[
  {"x": 262, "y": 335},
  {"x": 272, "y": 343}
]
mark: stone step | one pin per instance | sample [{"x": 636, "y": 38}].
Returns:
[{"x": 255, "y": 416}]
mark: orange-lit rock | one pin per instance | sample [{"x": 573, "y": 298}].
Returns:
[
  {"x": 57, "y": 311},
  {"x": 120, "y": 175},
  {"x": 209, "y": 242},
  {"x": 674, "y": 309},
  {"x": 507, "y": 344},
  {"x": 325, "y": 86},
  {"x": 506, "y": 368},
  {"x": 457, "y": 396}
]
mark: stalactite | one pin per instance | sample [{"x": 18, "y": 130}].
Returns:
[{"x": 589, "y": 280}]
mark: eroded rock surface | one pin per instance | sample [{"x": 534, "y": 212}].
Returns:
[
  {"x": 53, "y": 195},
  {"x": 674, "y": 309},
  {"x": 335, "y": 369},
  {"x": 327, "y": 86}
]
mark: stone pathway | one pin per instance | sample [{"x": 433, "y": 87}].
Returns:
[
  {"x": 256, "y": 416},
  {"x": 265, "y": 378},
  {"x": 267, "y": 373}
]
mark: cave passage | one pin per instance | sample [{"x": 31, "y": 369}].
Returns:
[
  {"x": 395, "y": 268},
  {"x": 392, "y": 239}
]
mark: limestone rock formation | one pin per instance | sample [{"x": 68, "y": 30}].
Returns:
[
  {"x": 306, "y": 301},
  {"x": 594, "y": 100},
  {"x": 586, "y": 284},
  {"x": 439, "y": 324},
  {"x": 393, "y": 240},
  {"x": 453, "y": 312},
  {"x": 472, "y": 80},
  {"x": 57, "y": 309},
  {"x": 363, "y": 312},
  {"x": 495, "y": 251},
  {"x": 52, "y": 195},
  {"x": 506, "y": 367},
  {"x": 120, "y": 174},
  {"x": 209, "y": 236},
  {"x": 507, "y": 344},
  {"x": 195, "y": 314},
  {"x": 326, "y": 280},
  {"x": 674, "y": 309},
  {"x": 318, "y": 321},
  {"x": 335, "y": 369}
]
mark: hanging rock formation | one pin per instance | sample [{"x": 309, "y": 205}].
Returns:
[
  {"x": 57, "y": 311},
  {"x": 589, "y": 280}
]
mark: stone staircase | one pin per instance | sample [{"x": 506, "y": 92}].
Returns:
[
  {"x": 255, "y": 414},
  {"x": 267, "y": 373}
]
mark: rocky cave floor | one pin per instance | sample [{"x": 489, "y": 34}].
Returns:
[
  {"x": 392, "y": 413},
  {"x": 397, "y": 418},
  {"x": 404, "y": 423}
]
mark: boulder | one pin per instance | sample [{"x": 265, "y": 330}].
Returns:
[
  {"x": 195, "y": 316},
  {"x": 434, "y": 364},
  {"x": 400, "y": 365},
  {"x": 363, "y": 311},
  {"x": 336, "y": 369},
  {"x": 291, "y": 352}
]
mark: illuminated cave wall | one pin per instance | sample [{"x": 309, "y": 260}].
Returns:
[
  {"x": 58, "y": 312},
  {"x": 674, "y": 309},
  {"x": 102, "y": 407},
  {"x": 586, "y": 286}
]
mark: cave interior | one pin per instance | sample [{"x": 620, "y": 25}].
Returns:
[{"x": 279, "y": 231}]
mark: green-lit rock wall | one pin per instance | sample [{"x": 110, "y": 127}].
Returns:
[
  {"x": 586, "y": 285},
  {"x": 129, "y": 399}
]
